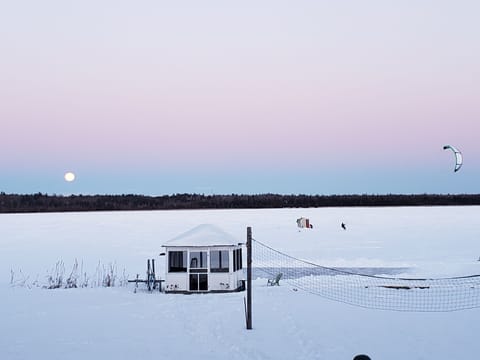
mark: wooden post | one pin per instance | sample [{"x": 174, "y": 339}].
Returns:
[
  {"x": 249, "y": 278},
  {"x": 148, "y": 275},
  {"x": 154, "y": 284}
]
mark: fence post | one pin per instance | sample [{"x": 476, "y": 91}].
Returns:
[{"x": 249, "y": 278}]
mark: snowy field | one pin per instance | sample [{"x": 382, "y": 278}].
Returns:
[{"x": 116, "y": 323}]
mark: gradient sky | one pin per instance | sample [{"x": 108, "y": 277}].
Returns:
[{"x": 314, "y": 97}]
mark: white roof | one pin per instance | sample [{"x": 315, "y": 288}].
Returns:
[{"x": 203, "y": 235}]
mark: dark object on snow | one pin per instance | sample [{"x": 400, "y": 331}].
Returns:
[
  {"x": 404, "y": 287},
  {"x": 362, "y": 357},
  {"x": 344, "y": 227}
]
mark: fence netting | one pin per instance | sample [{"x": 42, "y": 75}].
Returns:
[{"x": 369, "y": 291}]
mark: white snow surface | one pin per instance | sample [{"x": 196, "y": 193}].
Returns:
[{"x": 116, "y": 323}]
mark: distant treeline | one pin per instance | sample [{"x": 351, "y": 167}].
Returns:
[{"x": 15, "y": 203}]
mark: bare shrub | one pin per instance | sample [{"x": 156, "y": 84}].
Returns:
[
  {"x": 18, "y": 279},
  {"x": 56, "y": 275},
  {"x": 56, "y": 278},
  {"x": 73, "y": 277}
]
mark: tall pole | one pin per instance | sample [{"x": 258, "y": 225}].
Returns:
[{"x": 249, "y": 278}]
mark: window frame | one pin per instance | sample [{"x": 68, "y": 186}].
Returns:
[
  {"x": 172, "y": 259},
  {"x": 237, "y": 259},
  {"x": 222, "y": 267},
  {"x": 202, "y": 262}
]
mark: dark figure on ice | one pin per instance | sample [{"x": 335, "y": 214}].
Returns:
[
  {"x": 344, "y": 227},
  {"x": 362, "y": 357}
]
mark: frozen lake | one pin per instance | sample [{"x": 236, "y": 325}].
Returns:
[
  {"x": 115, "y": 323},
  {"x": 429, "y": 241}
]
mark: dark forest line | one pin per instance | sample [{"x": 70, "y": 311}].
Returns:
[{"x": 22, "y": 203}]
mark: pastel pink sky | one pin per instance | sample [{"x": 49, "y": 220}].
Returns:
[{"x": 275, "y": 86}]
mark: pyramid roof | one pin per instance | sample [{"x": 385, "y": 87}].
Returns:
[{"x": 203, "y": 235}]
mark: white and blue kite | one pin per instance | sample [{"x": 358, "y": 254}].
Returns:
[{"x": 458, "y": 156}]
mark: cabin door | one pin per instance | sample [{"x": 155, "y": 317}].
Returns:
[
  {"x": 198, "y": 278},
  {"x": 198, "y": 282}
]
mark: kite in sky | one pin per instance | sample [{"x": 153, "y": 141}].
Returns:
[{"x": 458, "y": 156}]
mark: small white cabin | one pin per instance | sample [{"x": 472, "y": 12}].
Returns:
[{"x": 204, "y": 259}]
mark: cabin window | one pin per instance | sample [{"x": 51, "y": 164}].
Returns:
[
  {"x": 177, "y": 261},
  {"x": 198, "y": 260},
  {"x": 237, "y": 259},
  {"x": 219, "y": 261}
]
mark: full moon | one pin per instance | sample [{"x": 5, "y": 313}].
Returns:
[{"x": 69, "y": 176}]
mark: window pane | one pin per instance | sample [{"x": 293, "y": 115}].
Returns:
[
  {"x": 214, "y": 260},
  {"x": 203, "y": 282},
  {"x": 237, "y": 254},
  {"x": 219, "y": 261},
  {"x": 198, "y": 259},
  {"x": 237, "y": 260},
  {"x": 193, "y": 282},
  {"x": 224, "y": 259},
  {"x": 177, "y": 261}
]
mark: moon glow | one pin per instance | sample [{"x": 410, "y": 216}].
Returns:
[{"x": 69, "y": 176}]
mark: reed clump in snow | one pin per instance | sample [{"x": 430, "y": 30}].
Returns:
[{"x": 105, "y": 275}]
